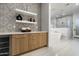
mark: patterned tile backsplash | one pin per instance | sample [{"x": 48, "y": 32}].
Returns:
[{"x": 8, "y": 17}]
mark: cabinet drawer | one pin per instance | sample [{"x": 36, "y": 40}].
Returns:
[{"x": 18, "y": 36}]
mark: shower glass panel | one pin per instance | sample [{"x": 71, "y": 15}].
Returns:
[
  {"x": 77, "y": 26},
  {"x": 61, "y": 23},
  {"x": 64, "y": 22}
]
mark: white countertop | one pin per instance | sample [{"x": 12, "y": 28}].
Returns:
[{"x": 10, "y": 33}]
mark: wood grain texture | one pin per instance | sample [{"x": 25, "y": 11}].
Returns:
[
  {"x": 19, "y": 44},
  {"x": 26, "y": 42},
  {"x": 15, "y": 46}
]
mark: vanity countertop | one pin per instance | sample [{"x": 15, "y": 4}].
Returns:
[{"x": 11, "y": 33}]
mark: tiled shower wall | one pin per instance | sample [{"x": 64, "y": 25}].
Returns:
[{"x": 8, "y": 16}]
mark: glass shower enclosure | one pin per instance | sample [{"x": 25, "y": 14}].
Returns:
[{"x": 76, "y": 25}]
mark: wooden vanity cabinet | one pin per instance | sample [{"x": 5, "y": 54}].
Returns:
[{"x": 21, "y": 43}]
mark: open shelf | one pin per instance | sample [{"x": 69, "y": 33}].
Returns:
[
  {"x": 25, "y": 12},
  {"x": 19, "y": 21}
]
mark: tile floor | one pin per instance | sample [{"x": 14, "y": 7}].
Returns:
[{"x": 64, "y": 48}]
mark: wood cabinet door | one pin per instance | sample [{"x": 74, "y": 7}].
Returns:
[
  {"x": 34, "y": 41},
  {"x": 37, "y": 40},
  {"x": 37, "y": 37},
  {"x": 19, "y": 44},
  {"x": 25, "y": 43},
  {"x": 43, "y": 39},
  {"x": 15, "y": 45}
]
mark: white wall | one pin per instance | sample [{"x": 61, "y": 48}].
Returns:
[{"x": 44, "y": 16}]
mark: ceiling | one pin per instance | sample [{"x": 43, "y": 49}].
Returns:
[{"x": 62, "y": 9}]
